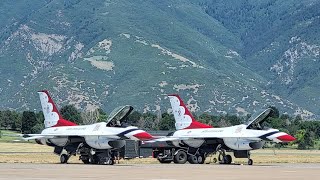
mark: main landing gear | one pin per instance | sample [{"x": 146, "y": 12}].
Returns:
[
  {"x": 87, "y": 154},
  {"x": 92, "y": 156}
]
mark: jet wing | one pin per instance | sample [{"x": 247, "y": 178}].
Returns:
[{"x": 28, "y": 137}]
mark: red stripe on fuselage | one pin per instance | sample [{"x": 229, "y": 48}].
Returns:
[
  {"x": 63, "y": 122},
  {"x": 197, "y": 125}
]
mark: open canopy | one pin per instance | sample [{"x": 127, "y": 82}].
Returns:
[
  {"x": 119, "y": 114},
  {"x": 255, "y": 121}
]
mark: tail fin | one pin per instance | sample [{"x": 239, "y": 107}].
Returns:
[
  {"x": 182, "y": 116},
  {"x": 52, "y": 117}
]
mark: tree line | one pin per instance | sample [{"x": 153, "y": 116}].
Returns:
[{"x": 306, "y": 132}]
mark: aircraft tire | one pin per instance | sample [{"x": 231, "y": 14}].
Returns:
[
  {"x": 64, "y": 158},
  {"x": 215, "y": 160},
  {"x": 220, "y": 157},
  {"x": 111, "y": 162},
  {"x": 250, "y": 161},
  {"x": 201, "y": 159},
  {"x": 181, "y": 157},
  {"x": 92, "y": 160},
  {"x": 227, "y": 159},
  {"x": 85, "y": 161},
  {"x": 193, "y": 159}
]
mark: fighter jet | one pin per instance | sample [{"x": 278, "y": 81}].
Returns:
[
  {"x": 193, "y": 140},
  {"x": 95, "y": 144}
]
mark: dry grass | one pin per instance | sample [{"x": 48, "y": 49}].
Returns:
[{"x": 35, "y": 153}]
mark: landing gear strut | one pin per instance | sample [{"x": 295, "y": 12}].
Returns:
[
  {"x": 223, "y": 157},
  {"x": 250, "y": 161}
]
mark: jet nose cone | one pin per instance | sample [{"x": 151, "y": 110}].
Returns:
[{"x": 286, "y": 138}]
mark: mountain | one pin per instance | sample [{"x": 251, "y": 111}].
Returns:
[{"x": 220, "y": 56}]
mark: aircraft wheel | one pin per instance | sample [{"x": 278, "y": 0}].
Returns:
[
  {"x": 85, "y": 161},
  {"x": 181, "y": 157},
  {"x": 215, "y": 160},
  {"x": 92, "y": 160},
  {"x": 220, "y": 157},
  {"x": 111, "y": 162},
  {"x": 193, "y": 159},
  {"x": 64, "y": 158},
  {"x": 227, "y": 159},
  {"x": 250, "y": 161},
  {"x": 174, "y": 161},
  {"x": 201, "y": 159}
]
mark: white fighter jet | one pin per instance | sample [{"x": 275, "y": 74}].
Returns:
[
  {"x": 193, "y": 140},
  {"x": 96, "y": 143}
]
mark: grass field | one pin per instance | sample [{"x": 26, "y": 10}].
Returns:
[{"x": 35, "y": 153}]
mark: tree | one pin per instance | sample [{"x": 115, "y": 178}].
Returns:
[
  {"x": 275, "y": 112},
  {"x": 309, "y": 139},
  {"x": 10, "y": 120},
  {"x": 133, "y": 118},
  {"x": 147, "y": 121},
  {"x": 28, "y": 121},
  {"x": 40, "y": 117},
  {"x": 167, "y": 122},
  {"x": 233, "y": 119},
  {"x": 300, "y": 138},
  {"x": 1, "y": 120},
  {"x": 103, "y": 117},
  {"x": 6, "y": 119},
  {"x": 205, "y": 118},
  {"x": 15, "y": 122},
  {"x": 70, "y": 113},
  {"x": 305, "y": 139},
  {"x": 223, "y": 122},
  {"x": 297, "y": 119},
  {"x": 90, "y": 117},
  {"x": 37, "y": 128},
  {"x": 276, "y": 123}
]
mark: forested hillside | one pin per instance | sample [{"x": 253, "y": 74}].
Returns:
[{"x": 221, "y": 56}]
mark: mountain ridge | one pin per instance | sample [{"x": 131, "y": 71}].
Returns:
[{"x": 105, "y": 54}]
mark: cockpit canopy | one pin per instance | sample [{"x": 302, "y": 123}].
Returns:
[
  {"x": 118, "y": 115},
  {"x": 255, "y": 121}
]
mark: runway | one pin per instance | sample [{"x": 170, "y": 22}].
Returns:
[{"x": 158, "y": 171}]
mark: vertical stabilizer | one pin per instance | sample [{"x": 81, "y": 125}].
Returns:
[
  {"x": 183, "y": 118},
  {"x": 52, "y": 117}
]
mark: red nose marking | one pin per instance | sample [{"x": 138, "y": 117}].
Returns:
[
  {"x": 286, "y": 138},
  {"x": 143, "y": 136}
]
